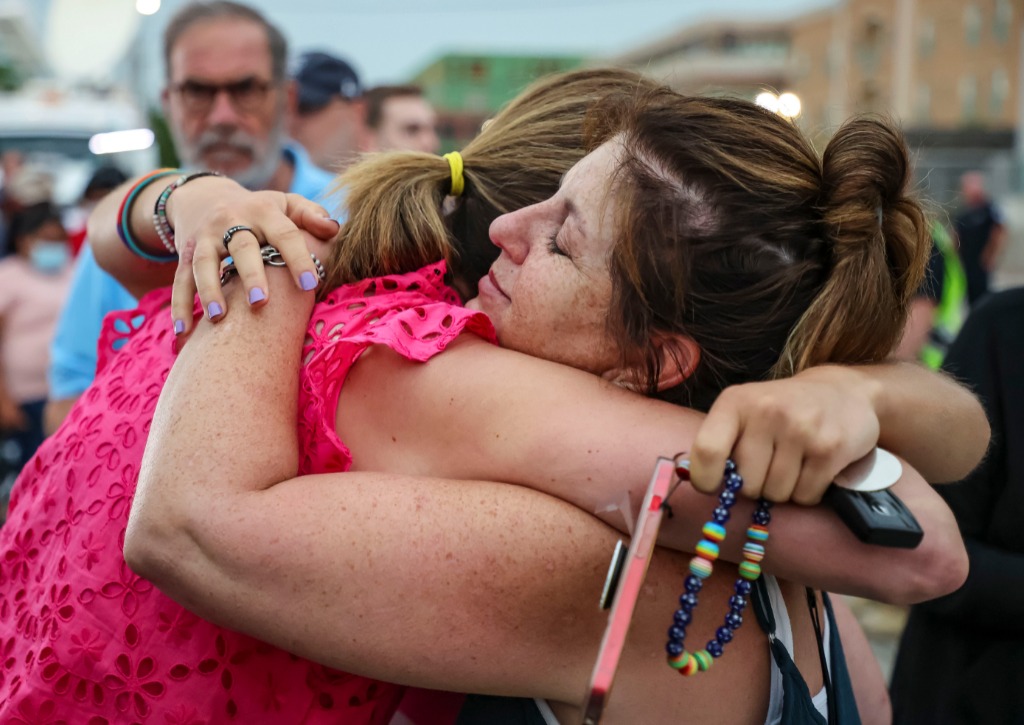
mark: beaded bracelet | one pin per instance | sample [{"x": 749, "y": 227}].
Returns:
[
  {"x": 700, "y": 569},
  {"x": 164, "y": 230},
  {"x": 125, "y": 212}
]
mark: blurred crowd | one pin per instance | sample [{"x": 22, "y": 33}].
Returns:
[{"x": 271, "y": 125}]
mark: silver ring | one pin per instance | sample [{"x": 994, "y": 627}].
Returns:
[
  {"x": 234, "y": 230},
  {"x": 320, "y": 272}
]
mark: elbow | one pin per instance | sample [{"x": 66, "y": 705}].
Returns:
[
  {"x": 145, "y": 548},
  {"x": 156, "y": 545},
  {"x": 938, "y": 567}
]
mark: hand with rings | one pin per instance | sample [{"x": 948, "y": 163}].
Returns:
[{"x": 217, "y": 218}]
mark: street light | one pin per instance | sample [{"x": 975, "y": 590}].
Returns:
[
  {"x": 789, "y": 105},
  {"x": 786, "y": 105},
  {"x": 768, "y": 101},
  {"x": 147, "y": 7}
]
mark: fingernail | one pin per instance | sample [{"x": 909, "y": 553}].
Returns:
[
  {"x": 307, "y": 280},
  {"x": 179, "y": 327},
  {"x": 256, "y": 295},
  {"x": 214, "y": 310}
]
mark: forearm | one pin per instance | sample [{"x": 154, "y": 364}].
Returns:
[
  {"x": 563, "y": 444},
  {"x": 344, "y": 555},
  {"x": 916, "y": 411},
  {"x": 812, "y": 546}
]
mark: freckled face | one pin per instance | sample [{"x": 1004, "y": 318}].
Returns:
[{"x": 549, "y": 292}]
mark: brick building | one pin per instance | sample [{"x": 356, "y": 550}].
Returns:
[{"x": 949, "y": 71}]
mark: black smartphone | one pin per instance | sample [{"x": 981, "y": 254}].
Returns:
[{"x": 875, "y": 517}]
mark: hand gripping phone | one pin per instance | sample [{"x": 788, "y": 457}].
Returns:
[{"x": 625, "y": 577}]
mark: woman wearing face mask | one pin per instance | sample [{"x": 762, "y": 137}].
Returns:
[{"x": 34, "y": 279}]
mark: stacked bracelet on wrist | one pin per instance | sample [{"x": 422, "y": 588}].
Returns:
[
  {"x": 125, "y": 212},
  {"x": 164, "y": 230}
]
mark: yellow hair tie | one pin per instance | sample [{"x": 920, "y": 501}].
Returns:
[{"x": 454, "y": 160}]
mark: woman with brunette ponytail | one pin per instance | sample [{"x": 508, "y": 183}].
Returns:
[
  {"x": 877, "y": 250},
  {"x": 371, "y": 536}
]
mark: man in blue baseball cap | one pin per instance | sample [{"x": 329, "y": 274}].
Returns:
[{"x": 328, "y": 119}]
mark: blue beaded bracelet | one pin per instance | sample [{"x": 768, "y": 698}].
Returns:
[{"x": 701, "y": 567}]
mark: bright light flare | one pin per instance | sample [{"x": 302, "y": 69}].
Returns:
[
  {"x": 789, "y": 105},
  {"x": 768, "y": 101},
  {"x": 147, "y": 7},
  {"x": 115, "y": 142}
]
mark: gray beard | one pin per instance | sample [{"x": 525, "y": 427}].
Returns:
[{"x": 258, "y": 175}]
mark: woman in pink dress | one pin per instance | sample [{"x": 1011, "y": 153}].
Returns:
[{"x": 84, "y": 637}]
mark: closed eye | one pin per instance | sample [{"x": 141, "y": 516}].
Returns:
[{"x": 553, "y": 246}]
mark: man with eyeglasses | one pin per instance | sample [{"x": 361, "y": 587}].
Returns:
[{"x": 226, "y": 101}]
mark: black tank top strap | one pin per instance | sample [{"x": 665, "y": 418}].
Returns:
[{"x": 761, "y": 604}]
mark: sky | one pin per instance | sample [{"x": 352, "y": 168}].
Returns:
[{"x": 390, "y": 40}]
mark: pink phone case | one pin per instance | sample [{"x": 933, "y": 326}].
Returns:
[{"x": 635, "y": 568}]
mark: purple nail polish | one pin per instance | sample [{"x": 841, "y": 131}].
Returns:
[
  {"x": 179, "y": 327},
  {"x": 256, "y": 295},
  {"x": 214, "y": 310},
  {"x": 308, "y": 281}
]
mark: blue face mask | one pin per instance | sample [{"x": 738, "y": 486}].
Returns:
[{"x": 49, "y": 257}]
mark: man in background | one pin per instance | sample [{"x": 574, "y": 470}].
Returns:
[
  {"x": 226, "y": 99},
  {"x": 980, "y": 234},
  {"x": 328, "y": 118},
  {"x": 400, "y": 118}
]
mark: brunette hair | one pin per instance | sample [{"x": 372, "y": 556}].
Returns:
[
  {"x": 731, "y": 231},
  {"x": 30, "y": 220},
  {"x": 395, "y": 199},
  {"x": 376, "y": 97}
]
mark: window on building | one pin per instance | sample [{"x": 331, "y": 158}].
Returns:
[
  {"x": 923, "y": 104},
  {"x": 968, "y": 92},
  {"x": 972, "y": 24},
  {"x": 926, "y": 38},
  {"x": 874, "y": 30},
  {"x": 999, "y": 93},
  {"x": 1002, "y": 20}
]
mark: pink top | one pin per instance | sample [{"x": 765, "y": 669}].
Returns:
[
  {"x": 30, "y": 304},
  {"x": 85, "y": 640}
]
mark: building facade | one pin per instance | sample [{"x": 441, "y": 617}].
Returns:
[
  {"x": 467, "y": 89},
  {"x": 949, "y": 71}
]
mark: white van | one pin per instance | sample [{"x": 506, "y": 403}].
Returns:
[{"x": 73, "y": 132}]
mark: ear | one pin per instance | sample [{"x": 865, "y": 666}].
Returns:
[
  {"x": 679, "y": 358},
  {"x": 165, "y": 101}
]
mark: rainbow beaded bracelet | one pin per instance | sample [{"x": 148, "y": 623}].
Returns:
[{"x": 701, "y": 566}]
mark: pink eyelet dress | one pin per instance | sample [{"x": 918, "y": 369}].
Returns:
[{"x": 83, "y": 640}]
